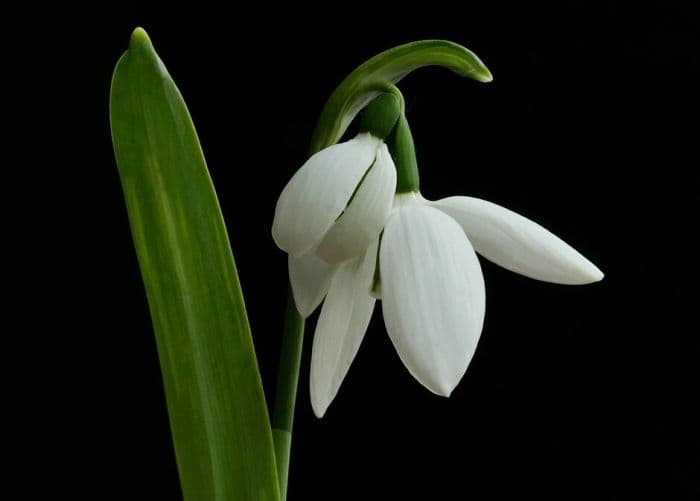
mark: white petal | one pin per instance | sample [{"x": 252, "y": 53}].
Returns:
[
  {"x": 433, "y": 295},
  {"x": 341, "y": 327},
  {"x": 318, "y": 193},
  {"x": 310, "y": 277},
  {"x": 366, "y": 214},
  {"x": 518, "y": 244}
]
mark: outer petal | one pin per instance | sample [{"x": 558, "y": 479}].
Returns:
[
  {"x": 341, "y": 327},
  {"x": 310, "y": 277},
  {"x": 518, "y": 244},
  {"x": 318, "y": 193},
  {"x": 366, "y": 214},
  {"x": 433, "y": 295}
]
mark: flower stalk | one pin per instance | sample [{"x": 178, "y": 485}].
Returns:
[
  {"x": 286, "y": 390},
  {"x": 404, "y": 154}
]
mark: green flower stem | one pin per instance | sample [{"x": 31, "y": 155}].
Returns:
[
  {"x": 404, "y": 154},
  {"x": 286, "y": 392}
]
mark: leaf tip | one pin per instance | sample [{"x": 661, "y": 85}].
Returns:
[
  {"x": 485, "y": 76},
  {"x": 140, "y": 39}
]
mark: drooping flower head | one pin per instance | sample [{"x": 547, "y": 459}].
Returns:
[{"x": 352, "y": 240}]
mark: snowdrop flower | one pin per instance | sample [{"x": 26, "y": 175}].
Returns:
[
  {"x": 432, "y": 288},
  {"x": 423, "y": 267}
]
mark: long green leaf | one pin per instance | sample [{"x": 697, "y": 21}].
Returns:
[
  {"x": 218, "y": 416},
  {"x": 379, "y": 72}
]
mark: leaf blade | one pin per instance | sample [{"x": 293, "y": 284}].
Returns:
[{"x": 218, "y": 416}]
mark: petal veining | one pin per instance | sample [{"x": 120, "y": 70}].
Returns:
[
  {"x": 319, "y": 192},
  {"x": 310, "y": 277},
  {"x": 433, "y": 296},
  {"x": 365, "y": 215},
  {"x": 517, "y": 243},
  {"x": 341, "y": 326}
]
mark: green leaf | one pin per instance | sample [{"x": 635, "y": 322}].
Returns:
[
  {"x": 218, "y": 416},
  {"x": 383, "y": 70}
]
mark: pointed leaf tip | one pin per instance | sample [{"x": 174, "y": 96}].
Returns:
[
  {"x": 139, "y": 38},
  {"x": 485, "y": 76}
]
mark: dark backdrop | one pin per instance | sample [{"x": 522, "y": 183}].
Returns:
[{"x": 574, "y": 392}]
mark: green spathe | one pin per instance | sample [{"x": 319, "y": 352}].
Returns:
[
  {"x": 379, "y": 73},
  {"x": 218, "y": 417},
  {"x": 404, "y": 153}
]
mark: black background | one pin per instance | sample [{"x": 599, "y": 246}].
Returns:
[{"x": 588, "y": 128}]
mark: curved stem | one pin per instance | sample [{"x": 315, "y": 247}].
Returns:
[
  {"x": 404, "y": 154},
  {"x": 286, "y": 391}
]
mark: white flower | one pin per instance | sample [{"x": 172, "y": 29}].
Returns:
[
  {"x": 329, "y": 218},
  {"x": 431, "y": 287},
  {"x": 337, "y": 202}
]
